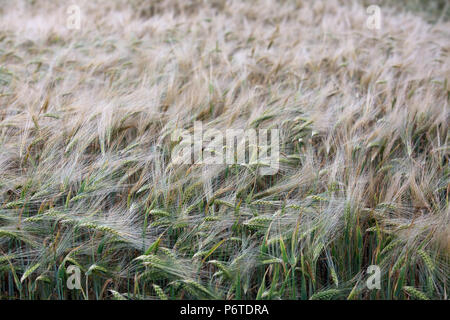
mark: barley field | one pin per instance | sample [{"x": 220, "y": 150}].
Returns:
[{"x": 89, "y": 186}]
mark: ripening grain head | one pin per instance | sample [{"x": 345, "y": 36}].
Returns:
[{"x": 87, "y": 178}]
